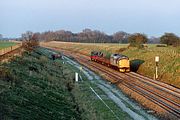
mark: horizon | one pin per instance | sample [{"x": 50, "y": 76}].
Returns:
[
  {"x": 151, "y": 17},
  {"x": 149, "y": 36}
]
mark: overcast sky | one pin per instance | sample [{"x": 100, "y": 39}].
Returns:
[{"x": 152, "y": 17}]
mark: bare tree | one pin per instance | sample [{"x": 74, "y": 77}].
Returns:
[
  {"x": 30, "y": 40},
  {"x": 120, "y": 37}
]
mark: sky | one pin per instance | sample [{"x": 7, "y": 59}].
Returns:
[{"x": 152, "y": 17}]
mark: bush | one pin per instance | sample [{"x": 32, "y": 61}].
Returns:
[
  {"x": 121, "y": 50},
  {"x": 170, "y": 39},
  {"x": 160, "y": 45},
  {"x": 139, "y": 46},
  {"x": 137, "y": 40},
  {"x": 6, "y": 75},
  {"x": 43, "y": 59}
]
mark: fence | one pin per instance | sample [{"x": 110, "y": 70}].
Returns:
[{"x": 8, "y": 49}]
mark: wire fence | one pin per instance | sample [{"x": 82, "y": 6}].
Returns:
[{"x": 9, "y": 49}]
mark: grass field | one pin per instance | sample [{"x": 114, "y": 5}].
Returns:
[
  {"x": 169, "y": 65},
  {"x": 6, "y": 44},
  {"x": 36, "y": 87}
]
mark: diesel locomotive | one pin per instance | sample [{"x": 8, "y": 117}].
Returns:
[{"x": 119, "y": 61}]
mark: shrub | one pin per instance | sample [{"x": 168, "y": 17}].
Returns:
[
  {"x": 43, "y": 59},
  {"x": 121, "y": 50},
  {"x": 160, "y": 45},
  {"x": 170, "y": 39},
  {"x": 137, "y": 40},
  {"x": 6, "y": 75}
]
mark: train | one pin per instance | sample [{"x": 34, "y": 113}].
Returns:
[{"x": 118, "y": 61}]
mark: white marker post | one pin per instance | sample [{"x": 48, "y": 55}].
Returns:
[
  {"x": 157, "y": 61},
  {"x": 76, "y": 77},
  {"x": 81, "y": 69}
]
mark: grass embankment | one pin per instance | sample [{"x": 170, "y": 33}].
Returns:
[
  {"x": 35, "y": 87},
  {"x": 142, "y": 60},
  {"x": 6, "y": 44}
]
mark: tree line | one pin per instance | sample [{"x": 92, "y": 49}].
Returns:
[
  {"x": 95, "y": 36},
  {"x": 86, "y": 36}
]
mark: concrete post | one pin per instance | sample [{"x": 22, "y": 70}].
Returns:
[
  {"x": 76, "y": 77},
  {"x": 156, "y": 72},
  {"x": 156, "y": 60}
]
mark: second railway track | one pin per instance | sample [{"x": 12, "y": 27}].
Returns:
[{"x": 157, "y": 94}]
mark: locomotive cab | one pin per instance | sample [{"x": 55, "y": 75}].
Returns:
[
  {"x": 120, "y": 61},
  {"x": 124, "y": 64},
  {"x": 114, "y": 59}
]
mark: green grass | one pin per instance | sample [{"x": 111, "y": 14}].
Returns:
[
  {"x": 35, "y": 87},
  {"x": 92, "y": 102},
  {"x": 169, "y": 65},
  {"x": 6, "y": 44},
  {"x": 40, "y": 94}
]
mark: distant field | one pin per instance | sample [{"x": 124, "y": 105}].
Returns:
[
  {"x": 6, "y": 44},
  {"x": 169, "y": 65}
]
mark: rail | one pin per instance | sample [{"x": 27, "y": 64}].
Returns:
[
  {"x": 154, "y": 91},
  {"x": 160, "y": 100},
  {"x": 169, "y": 105}
]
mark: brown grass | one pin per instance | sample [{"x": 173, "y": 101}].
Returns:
[{"x": 169, "y": 65}]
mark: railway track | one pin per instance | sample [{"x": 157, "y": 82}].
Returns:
[
  {"x": 164, "y": 86},
  {"x": 163, "y": 95},
  {"x": 159, "y": 85},
  {"x": 170, "y": 104}
]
